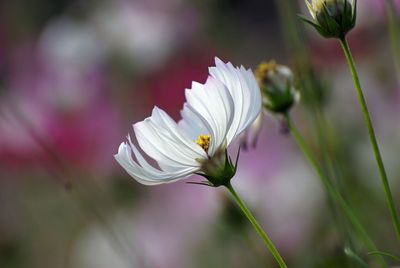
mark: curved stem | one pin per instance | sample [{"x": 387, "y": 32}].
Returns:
[
  {"x": 332, "y": 190},
  {"x": 372, "y": 136},
  {"x": 384, "y": 254},
  {"x": 268, "y": 242}
]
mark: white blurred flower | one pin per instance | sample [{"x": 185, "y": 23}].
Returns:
[
  {"x": 214, "y": 114},
  {"x": 142, "y": 34},
  {"x": 71, "y": 45},
  {"x": 71, "y": 53},
  {"x": 158, "y": 232}
]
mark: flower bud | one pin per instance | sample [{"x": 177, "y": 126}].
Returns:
[
  {"x": 276, "y": 84},
  {"x": 332, "y": 18}
]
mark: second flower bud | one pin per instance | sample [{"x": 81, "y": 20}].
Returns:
[{"x": 276, "y": 84}]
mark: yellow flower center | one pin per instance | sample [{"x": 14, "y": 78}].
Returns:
[
  {"x": 204, "y": 141},
  {"x": 263, "y": 69}
]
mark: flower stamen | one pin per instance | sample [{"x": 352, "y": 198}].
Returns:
[{"x": 204, "y": 141}]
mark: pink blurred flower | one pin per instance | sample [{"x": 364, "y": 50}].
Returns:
[
  {"x": 51, "y": 108},
  {"x": 167, "y": 87},
  {"x": 378, "y": 6}
]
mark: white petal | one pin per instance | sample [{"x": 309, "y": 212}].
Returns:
[
  {"x": 195, "y": 124},
  {"x": 159, "y": 145},
  {"x": 151, "y": 143},
  {"x": 192, "y": 124},
  {"x": 187, "y": 146},
  {"x": 145, "y": 173},
  {"x": 212, "y": 103},
  {"x": 245, "y": 92}
]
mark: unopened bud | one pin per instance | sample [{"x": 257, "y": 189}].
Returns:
[
  {"x": 332, "y": 18},
  {"x": 276, "y": 84}
]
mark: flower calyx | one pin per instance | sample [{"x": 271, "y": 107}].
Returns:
[
  {"x": 218, "y": 170},
  {"x": 332, "y": 18}
]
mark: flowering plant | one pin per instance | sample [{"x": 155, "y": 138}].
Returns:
[{"x": 214, "y": 115}]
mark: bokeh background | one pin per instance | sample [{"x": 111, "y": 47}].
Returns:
[{"x": 75, "y": 75}]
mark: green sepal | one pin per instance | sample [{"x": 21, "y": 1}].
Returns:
[
  {"x": 317, "y": 27},
  {"x": 279, "y": 101},
  {"x": 354, "y": 12},
  {"x": 332, "y": 26},
  {"x": 222, "y": 175},
  {"x": 204, "y": 183}
]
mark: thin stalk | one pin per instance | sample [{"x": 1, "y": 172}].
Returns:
[
  {"x": 372, "y": 136},
  {"x": 394, "y": 31},
  {"x": 314, "y": 94},
  {"x": 335, "y": 195},
  {"x": 384, "y": 254},
  {"x": 268, "y": 242}
]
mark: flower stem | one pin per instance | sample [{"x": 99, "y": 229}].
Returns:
[
  {"x": 371, "y": 131},
  {"x": 394, "y": 31},
  {"x": 268, "y": 242},
  {"x": 331, "y": 189}
]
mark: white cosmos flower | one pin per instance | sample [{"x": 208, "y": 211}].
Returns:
[{"x": 215, "y": 113}]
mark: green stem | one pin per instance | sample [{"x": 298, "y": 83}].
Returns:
[
  {"x": 384, "y": 254},
  {"x": 371, "y": 131},
  {"x": 268, "y": 242},
  {"x": 394, "y": 31},
  {"x": 331, "y": 189}
]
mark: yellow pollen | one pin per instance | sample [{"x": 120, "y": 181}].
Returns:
[
  {"x": 204, "y": 141},
  {"x": 263, "y": 69}
]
